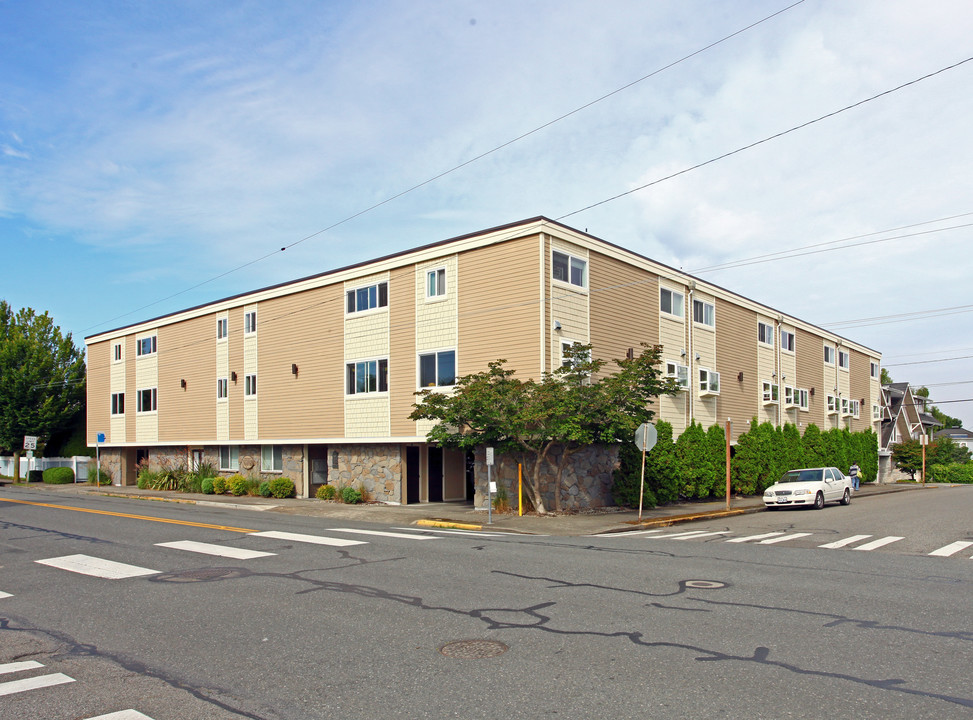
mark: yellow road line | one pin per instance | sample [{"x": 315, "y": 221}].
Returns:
[
  {"x": 133, "y": 517},
  {"x": 448, "y": 524}
]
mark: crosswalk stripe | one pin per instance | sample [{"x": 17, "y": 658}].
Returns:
[
  {"x": 704, "y": 534},
  {"x": 123, "y": 715},
  {"x": 314, "y": 539},
  {"x": 952, "y": 548},
  {"x": 4, "y": 595},
  {"x": 19, "y": 666},
  {"x": 785, "y": 538},
  {"x": 34, "y": 683},
  {"x": 754, "y": 537},
  {"x": 218, "y": 550},
  {"x": 386, "y": 534},
  {"x": 87, "y": 565},
  {"x": 468, "y": 533},
  {"x": 847, "y": 541},
  {"x": 880, "y": 542},
  {"x": 677, "y": 535}
]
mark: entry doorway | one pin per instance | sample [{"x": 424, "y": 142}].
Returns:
[
  {"x": 434, "y": 472},
  {"x": 412, "y": 474}
]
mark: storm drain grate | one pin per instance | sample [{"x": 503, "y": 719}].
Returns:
[{"x": 473, "y": 649}]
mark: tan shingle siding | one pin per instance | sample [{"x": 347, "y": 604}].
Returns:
[
  {"x": 186, "y": 353},
  {"x": 736, "y": 342}
]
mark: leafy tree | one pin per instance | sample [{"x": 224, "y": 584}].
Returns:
[
  {"x": 907, "y": 456},
  {"x": 792, "y": 450},
  {"x": 945, "y": 451},
  {"x": 885, "y": 378},
  {"x": 548, "y": 421},
  {"x": 42, "y": 378},
  {"x": 754, "y": 465},
  {"x": 947, "y": 421},
  {"x": 661, "y": 466},
  {"x": 815, "y": 451}
]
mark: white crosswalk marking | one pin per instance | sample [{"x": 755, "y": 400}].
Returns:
[
  {"x": 847, "y": 541},
  {"x": 952, "y": 548},
  {"x": 123, "y": 715},
  {"x": 754, "y": 537},
  {"x": 386, "y": 534},
  {"x": 19, "y": 666},
  {"x": 34, "y": 683},
  {"x": 704, "y": 534},
  {"x": 314, "y": 539},
  {"x": 87, "y": 565},
  {"x": 677, "y": 535},
  {"x": 218, "y": 550},
  {"x": 874, "y": 544},
  {"x": 476, "y": 533},
  {"x": 785, "y": 538},
  {"x": 4, "y": 595}
]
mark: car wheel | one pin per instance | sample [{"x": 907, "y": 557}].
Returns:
[
  {"x": 819, "y": 501},
  {"x": 846, "y": 498}
]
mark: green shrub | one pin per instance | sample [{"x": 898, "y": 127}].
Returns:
[
  {"x": 98, "y": 476},
  {"x": 206, "y": 486},
  {"x": 239, "y": 485},
  {"x": 281, "y": 487},
  {"x": 326, "y": 492},
  {"x": 59, "y": 476},
  {"x": 264, "y": 489},
  {"x": 193, "y": 483},
  {"x": 350, "y": 495},
  {"x": 206, "y": 470},
  {"x": 220, "y": 485},
  {"x": 35, "y": 476}
]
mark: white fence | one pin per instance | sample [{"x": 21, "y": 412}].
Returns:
[{"x": 79, "y": 464}]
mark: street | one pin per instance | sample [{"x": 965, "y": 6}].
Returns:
[{"x": 125, "y": 609}]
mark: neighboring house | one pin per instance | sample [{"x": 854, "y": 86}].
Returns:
[
  {"x": 960, "y": 436},
  {"x": 904, "y": 417},
  {"x": 315, "y": 379}
]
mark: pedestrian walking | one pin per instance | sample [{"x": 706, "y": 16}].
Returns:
[{"x": 854, "y": 471}]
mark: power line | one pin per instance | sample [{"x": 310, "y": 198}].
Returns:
[
  {"x": 926, "y": 362},
  {"x": 917, "y": 315}
]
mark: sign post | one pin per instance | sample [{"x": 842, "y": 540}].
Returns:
[
  {"x": 925, "y": 441},
  {"x": 99, "y": 439},
  {"x": 30, "y": 445},
  {"x": 645, "y": 439},
  {"x": 729, "y": 431},
  {"x": 489, "y": 464}
]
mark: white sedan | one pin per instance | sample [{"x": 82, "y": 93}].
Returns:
[{"x": 809, "y": 487}]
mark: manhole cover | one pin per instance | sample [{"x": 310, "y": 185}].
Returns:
[
  {"x": 202, "y": 575},
  {"x": 704, "y": 584},
  {"x": 473, "y": 649}
]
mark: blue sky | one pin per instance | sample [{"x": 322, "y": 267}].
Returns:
[{"x": 147, "y": 149}]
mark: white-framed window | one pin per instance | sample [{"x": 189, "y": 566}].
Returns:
[
  {"x": 672, "y": 302},
  {"x": 222, "y": 388},
  {"x": 146, "y": 346},
  {"x": 803, "y": 400},
  {"x": 567, "y": 345},
  {"x": 437, "y": 369},
  {"x": 844, "y": 359},
  {"x": 704, "y": 313},
  {"x": 679, "y": 372},
  {"x": 368, "y": 297},
  {"x": 367, "y": 376},
  {"x": 250, "y": 385},
  {"x": 874, "y": 370},
  {"x": 229, "y": 457},
  {"x": 250, "y": 322},
  {"x": 832, "y": 405},
  {"x": 146, "y": 400},
  {"x": 771, "y": 393},
  {"x": 117, "y": 352},
  {"x": 221, "y": 328},
  {"x": 828, "y": 355},
  {"x": 876, "y": 412},
  {"x": 569, "y": 269},
  {"x": 271, "y": 458},
  {"x": 791, "y": 396},
  {"x": 436, "y": 283},
  {"x": 786, "y": 340},
  {"x": 845, "y": 407},
  {"x": 856, "y": 408},
  {"x": 709, "y": 382},
  {"x": 118, "y": 403},
  {"x": 765, "y": 333}
]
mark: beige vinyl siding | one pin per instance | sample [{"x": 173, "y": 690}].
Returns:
[
  {"x": 98, "y": 390},
  {"x": 706, "y": 408},
  {"x": 146, "y": 377},
  {"x": 675, "y": 348},
  {"x": 186, "y": 353},
  {"x": 568, "y": 305},
  {"x": 736, "y": 338},
  {"x": 129, "y": 351},
  {"x": 223, "y": 371},
  {"x": 810, "y": 360},
  {"x": 116, "y": 432},
  {"x": 499, "y": 306},
  {"x": 403, "y": 376},
  {"x": 303, "y": 329},
  {"x": 366, "y": 337},
  {"x": 236, "y": 389},
  {"x": 624, "y": 303},
  {"x": 859, "y": 383},
  {"x": 766, "y": 369}
]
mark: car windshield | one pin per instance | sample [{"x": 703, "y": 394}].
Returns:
[{"x": 801, "y": 476}]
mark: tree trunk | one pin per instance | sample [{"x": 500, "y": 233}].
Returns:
[{"x": 16, "y": 473}]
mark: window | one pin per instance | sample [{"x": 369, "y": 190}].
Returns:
[
  {"x": 709, "y": 382},
  {"x": 117, "y": 350},
  {"x": 229, "y": 457},
  {"x": 679, "y": 372},
  {"x": 790, "y": 396},
  {"x": 118, "y": 403},
  {"x": 436, "y": 283},
  {"x": 856, "y": 408},
  {"x": 845, "y": 407},
  {"x": 787, "y": 340},
  {"x": 569, "y": 269},
  {"x": 844, "y": 359},
  {"x": 222, "y": 389},
  {"x": 146, "y": 346},
  {"x": 250, "y": 322},
  {"x": 250, "y": 386},
  {"x": 146, "y": 400},
  {"x": 876, "y": 412},
  {"x": 671, "y": 302},
  {"x": 566, "y": 345},
  {"x": 704, "y": 313},
  {"x": 874, "y": 370},
  {"x": 368, "y": 297},
  {"x": 829, "y": 355},
  {"x": 271, "y": 458},
  {"x": 802, "y": 400},
  {"x": 367, "y": 376},
  {"x": 221, "y": 325},
  {"x": 437, "y": 369},
  {"x": 765, "y": 333},
  {"x": 771, "y": 393},
  {"x": 832, "y": 405}
]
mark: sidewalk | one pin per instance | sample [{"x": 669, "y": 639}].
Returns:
[{"x": 453, "y": 515}]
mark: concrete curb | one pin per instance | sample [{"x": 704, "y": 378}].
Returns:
[{"x": 448, "y": 524}]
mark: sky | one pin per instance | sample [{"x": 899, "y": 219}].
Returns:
[{"x": 156, "y": 156}]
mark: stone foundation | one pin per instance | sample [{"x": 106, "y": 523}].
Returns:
[{"x": 376, "y": 470}]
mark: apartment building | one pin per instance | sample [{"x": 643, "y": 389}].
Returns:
[{"x": 314, "y": 379}]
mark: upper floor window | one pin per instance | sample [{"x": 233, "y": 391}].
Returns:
[
  {"x": 765, "y": 333},
  {"x": 671, "y": 302},
  {"x": 876, "y": 412},
  {"x": 437, "y": 369},
  {"x": 118, "y": 403},
  {"x": 436, "y": 282},
  {"x": 367, "y": 376},
  {"x": 222, "y": 387},
  {"x": 146, "y": 400},
  {"x": 368, "y": 297},
  {"x": 709, "y": 382},
  {"x": 117, "y": 352},
  {"x": 250, "y": 322},
  {"x": 832, "y": 405},
  {"x": 771, "y": 392},
  {"x": 679, "y": 372},
  {"x": 786, "y": 340},
  {"x": 829, "y": 354},
  {"x": 221, "y": 328},
  {"x": 844, "y": 360},
  {"x": 874, "y": 370},
  {"x": 250, "y": 386},
  {"x": 704, "y": 313},
  {"x": 569, "y": 269},
  {"x": 271, "y": 458},
  {"x": 146, "y": 346}
]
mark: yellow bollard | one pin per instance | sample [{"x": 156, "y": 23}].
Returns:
[{"x": 520, "y": 490}]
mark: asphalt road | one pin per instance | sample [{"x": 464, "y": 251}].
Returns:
[{"x": 632, "y": 625}]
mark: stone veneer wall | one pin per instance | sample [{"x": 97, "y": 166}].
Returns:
[
  {"x": 111, "y": 463},
  {"x": 586, "y": 482},
  {"x": 375, "y": 469}
]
